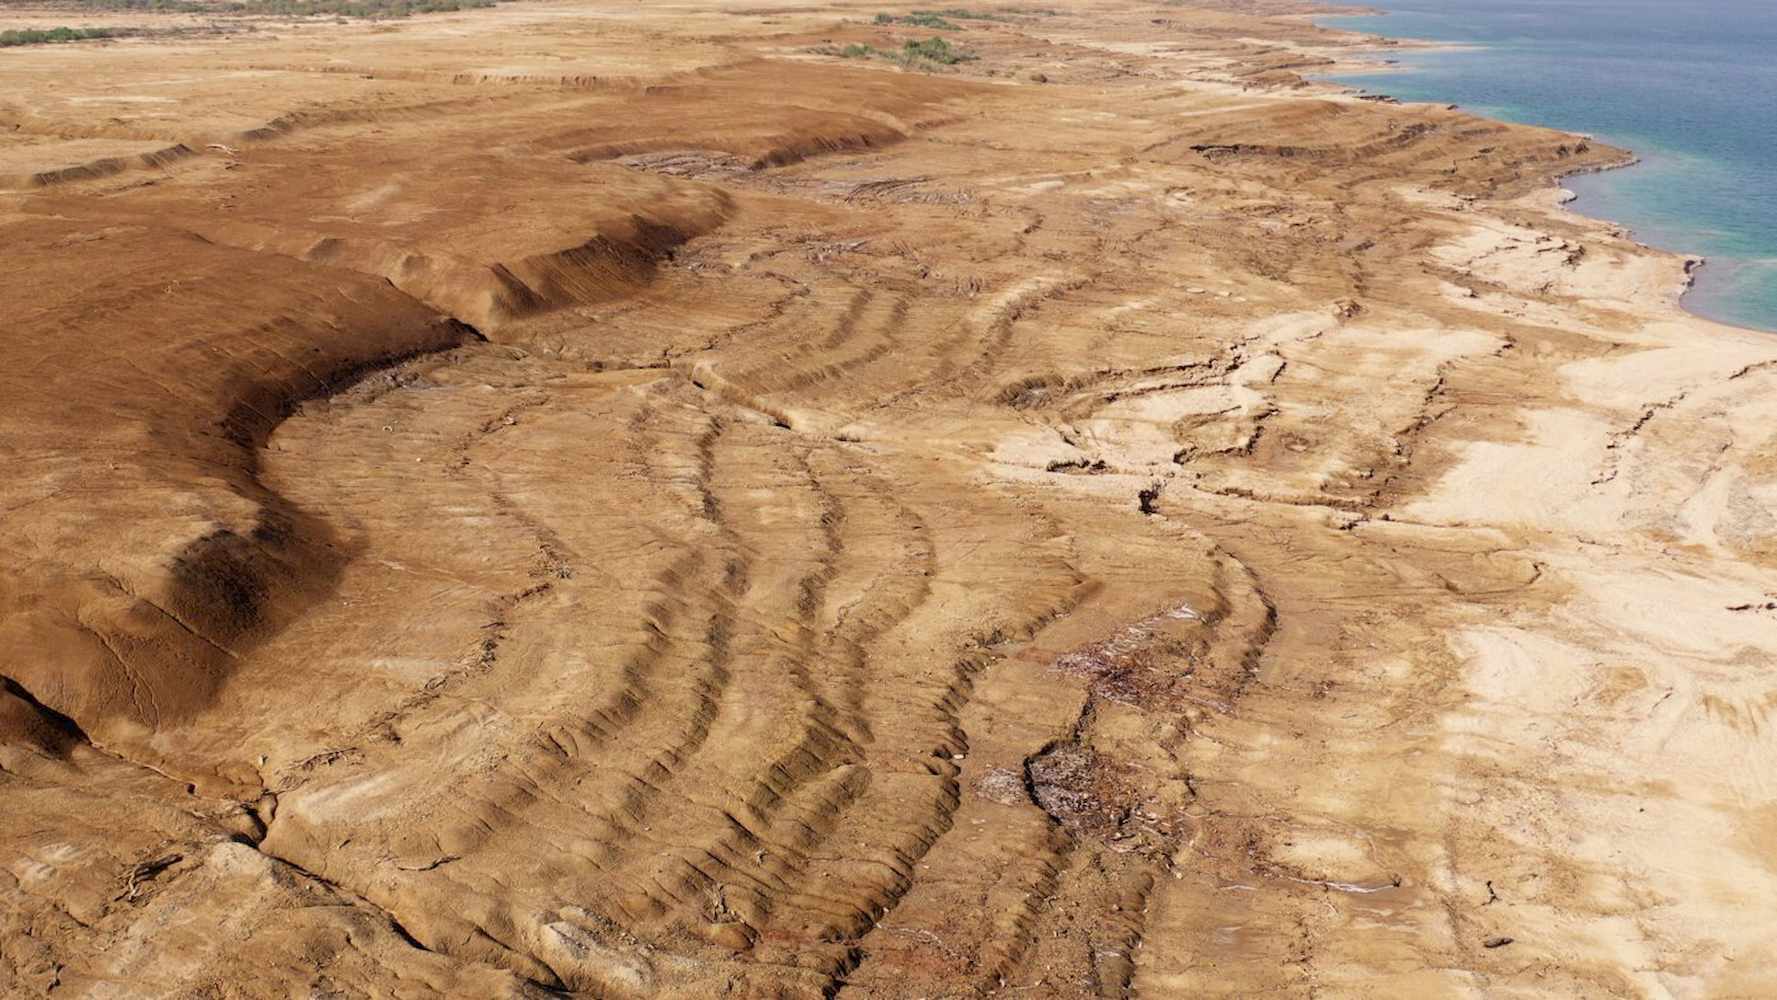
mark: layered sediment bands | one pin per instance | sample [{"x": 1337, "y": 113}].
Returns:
[
  {"x": 715, "y": 517},
  {"x": 744, "y": 624},
  {"x": 94, "y": 169}
]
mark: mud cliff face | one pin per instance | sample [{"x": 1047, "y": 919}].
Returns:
[{"x": 623, "y": 499}]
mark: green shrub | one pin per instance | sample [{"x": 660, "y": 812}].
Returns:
[
  {"x": 936, "y": 50},
  {"x": 927, "y": 19},
  {"x": 358, "y": 8},
  {"x": 36, "y": 36},
  {"x": 157, "y": 6},
  {"x": 912, "y": 55},
  {"x": 959, "y": 14},
  {"x": 918, "y": 19}
]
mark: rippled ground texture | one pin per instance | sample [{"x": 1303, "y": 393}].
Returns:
[{"x": 622, "y": 499}]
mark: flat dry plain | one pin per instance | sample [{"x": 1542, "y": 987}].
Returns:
[{"x": 615, "y": 498}]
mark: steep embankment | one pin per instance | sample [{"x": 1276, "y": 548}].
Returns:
[{"x": 170, "y": 373}]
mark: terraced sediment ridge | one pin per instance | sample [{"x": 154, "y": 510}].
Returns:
[{"x": 624, "y": 500}]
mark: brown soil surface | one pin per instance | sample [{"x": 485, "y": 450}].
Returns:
[{"x": 617, "y": 498}]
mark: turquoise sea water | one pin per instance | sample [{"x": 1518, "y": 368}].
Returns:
[{"x": 1689, "y": 85}]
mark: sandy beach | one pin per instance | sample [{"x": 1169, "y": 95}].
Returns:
[{"x": 702, "y": 499}]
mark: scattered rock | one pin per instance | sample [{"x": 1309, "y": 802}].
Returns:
[{"x": 1003, "y": 786}]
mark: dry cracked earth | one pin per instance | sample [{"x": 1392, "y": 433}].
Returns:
[{"x": 622, "y": 500}]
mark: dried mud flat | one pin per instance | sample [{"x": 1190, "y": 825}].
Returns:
[{"x": 618, "y": 499}]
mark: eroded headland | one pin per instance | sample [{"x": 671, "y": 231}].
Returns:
[{"x": 698, "y": 499}]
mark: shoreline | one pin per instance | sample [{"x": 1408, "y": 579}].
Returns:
[{"x": 1693, "y": 263}]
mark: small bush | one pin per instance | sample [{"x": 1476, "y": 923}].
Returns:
[
  {"x": 156, "y": 6},
  {"x": 936, "y": 50},
  {"x": 359, "y": 8},
  {"x": 912, "y": 55},
  {"x": 927, "y": 19},
  {"x": 35, "y": 36},
  {"x": 918, "y": 19},
  {"x": 959, "y": 14}
]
